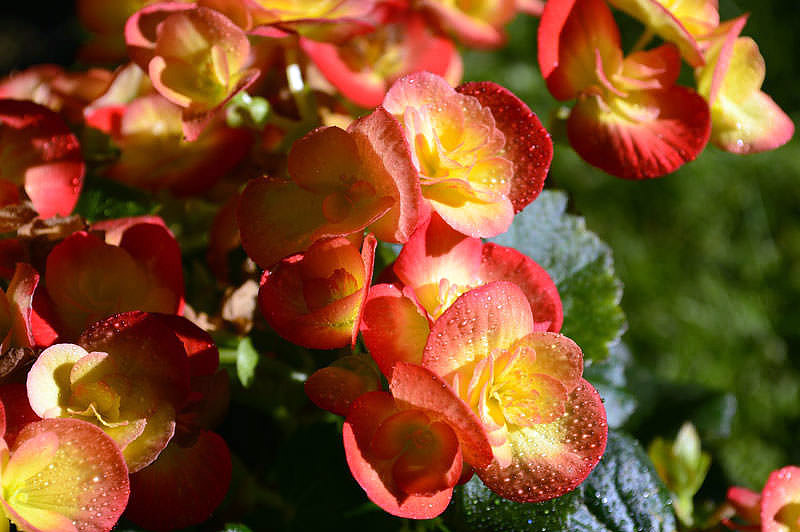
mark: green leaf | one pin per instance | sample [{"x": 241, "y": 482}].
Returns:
[
  {"x": 609, "y": 379},
  {"x": 235, "y": 527},
  {"x": 476, "y": 508},
  {"x": 246, "y": 361},
  {"x": 103, "y": 199},
  {"x": 622, "y": 494},
  {"x": 581, "y": 266}
]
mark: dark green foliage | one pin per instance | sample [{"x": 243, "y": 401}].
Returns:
[
  {"x": 103, "y": 199},
  {"x": 622, "y": 494},
  {"x": 580, "y": 265}
]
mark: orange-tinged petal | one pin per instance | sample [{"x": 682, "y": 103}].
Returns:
[
  {"x": 324, "y": 160},
  {"x": 322, "y": 20},
  {"x": 436, "y": 252},
  {"x": 387, "y": 311},
  {"x": 528, "y": 145},
  {"x": 549, "y": 460},
  {"x": 572, "y": 35},
  {"x": 458, "y": 152},
  {"x": 202, "y": 54},
  {"x": 375, "y": 475},
  {"x": 335, "y": 387},
  {"x": 718, "y": 57},
  {"x": 500, "y": 263},
  {"x": 651, "y": 69},
  {"x": 747, "y": 503},
  {"x": 42, "y": 155},
  {"x": 16, "y": 308},
  {"x": 141, "y": 30},
  {"x": 386, "y": 156},
  {"x": 88, "y": 280},
  {"x": 85, "y": 481},
  {"x": 648, "y": 134},
  {"x": 416, "y": 387},
  {"x": 362, "y": 68},
  {"x": 698, "y": 16},
  {"x": 431, "y": 463},
  {"x": 346, "y": 180},
  {"x": 556, "y": 356},
  {"x": 29, "y": 458},
  {"x": 482, "y": 321},
  {"x": 144, "y": 350},
  {"x": 158, "y": 430},
  {"x": 745, "y": 119},
  {"x": 780, "y": 501},
  {"x": 468, "y": 210},
  {"x": 658, "y": 17},
  {"x": 154, "y": 156},
  {"x": 315, "y": 299},
  {"x": 183, "y": 487},
  {"x": 154, "y": 247},
  {"x": 28, "y": 516},
  {"x": 268, "y": 221},
  {"x": 477, "y": 24}
]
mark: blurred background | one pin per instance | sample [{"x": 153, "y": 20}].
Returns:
[{"x": 709, "y": 256}]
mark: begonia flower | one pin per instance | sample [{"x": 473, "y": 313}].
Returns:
[
  {"x": 780, "y": 501},
  {"x": 744, "y": 118},
  {"x": 630, "y": 118},
  {"x": 128, "y": 374},
  {"x": 476, "y": 24},
  {"x": 546, "y": 424},
  {"x": 191, "y": 476},
  {"x": 40, "y": 156},
  {"x": 321, "y": 20},
  {"x": 405, "y": 448},
  {"x": 153, "y": 154},
  {"x": 106, "y": 24},
  {"x": 67, "y": 93},
  {"x": 315, "y": 299},
  {"x": 62, "y": 475},
  {"x": 16, "y": 309},
  {"x": 363, "y": 67},
  {"x": 184, "y": 486},
  {"x": 196, "y": 57},
  {"x": 482, "y": 155},
  {"x": 334, "y": 388},
  {"x": 86, "y": 278},
  {"x": 345, "y": 181},
  {"x": 434, "y": 268},
  {"x": 775, "y": 509},
  {"x": 679, "y": 22}
]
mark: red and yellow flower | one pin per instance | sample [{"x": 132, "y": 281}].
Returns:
[
  {"x": 630, "y": 118},
  {"x": 481, "y": 154}
]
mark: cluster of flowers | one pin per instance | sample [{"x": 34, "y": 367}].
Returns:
[
  {"x": 630, "y": 118},
  {"x": 466, "y": 333},
  {"x": 111, "y": 394},
  {"x": 116, "y": 410}
]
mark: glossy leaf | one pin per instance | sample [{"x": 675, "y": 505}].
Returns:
[
  {"x": 581, "y": 266},
  {"x": 623, "y": 493}
]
